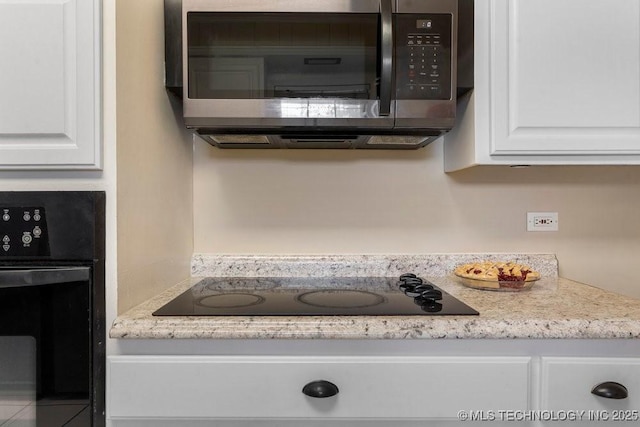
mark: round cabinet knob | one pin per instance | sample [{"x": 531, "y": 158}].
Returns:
[
  {"x": 610, "y": 390},
  {"x": 320, "y": 389}
]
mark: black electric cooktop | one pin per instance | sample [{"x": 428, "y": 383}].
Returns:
[{"x": 314, "y": 296}]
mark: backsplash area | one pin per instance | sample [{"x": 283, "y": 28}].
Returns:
[
  {"x": 428, "y": 265},
  {"x": 349, "y": 202}
]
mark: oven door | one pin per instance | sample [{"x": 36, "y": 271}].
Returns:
[
  {"x": 259, "y": 64},
  {"x": 45, "y": 346}
]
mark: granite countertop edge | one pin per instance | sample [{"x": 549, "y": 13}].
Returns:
[{"x": 367, "y": 328}]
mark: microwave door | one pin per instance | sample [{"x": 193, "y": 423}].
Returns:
[{"x": 262, "y": 65}]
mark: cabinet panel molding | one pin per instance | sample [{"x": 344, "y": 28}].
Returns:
[{"x": 50, "y": 104}]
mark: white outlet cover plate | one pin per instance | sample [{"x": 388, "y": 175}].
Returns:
[{"x": 542, "y": 221}]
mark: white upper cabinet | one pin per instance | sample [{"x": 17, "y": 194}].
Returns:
[
  {"x": 50, "y": 84},
  {"x": 556, "y": 82}
]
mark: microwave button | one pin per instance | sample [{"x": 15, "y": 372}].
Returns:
[{"x": 430, "y": 90}]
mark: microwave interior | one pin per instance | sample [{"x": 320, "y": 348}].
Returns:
[
  {"x": 312, "y": 55},
  {"x": 278, "y": 55}
]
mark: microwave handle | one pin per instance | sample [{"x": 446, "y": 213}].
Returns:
[{"x": 386, "y": 56}]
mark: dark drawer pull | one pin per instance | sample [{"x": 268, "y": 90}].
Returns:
[
  {"x": 610, "y": 390},
  {"x": 320, "y": 389}
]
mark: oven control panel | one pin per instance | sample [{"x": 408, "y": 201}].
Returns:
[
  {"x": 23, "y": 232},
  {"x": 423, "y": 56}
]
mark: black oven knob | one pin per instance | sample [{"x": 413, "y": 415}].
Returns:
[
  {"x": 414, "y": 290},
  {"x": 431, "y": 294},
  {"x": 409, "y": 284},
  {"x": 409, "y": 287},
  {"x": 412, "y": 282},
  {"x": 411, "y": 292},
  {"x": 404, "y": 287},
  {"x": 431, "y": 307}
]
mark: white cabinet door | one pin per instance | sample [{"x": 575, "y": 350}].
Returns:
[
  {"x": 49, "y": 84},
  {"x": 270, "y": 387},
  {"x": 566, "y": 77},
  {"x": 557, "y": 82},
  {"x": 567, "y": 384}
]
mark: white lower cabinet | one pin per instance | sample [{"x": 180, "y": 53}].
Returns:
[
  {"x": 567, "y": 384},
  {"x": 263, "y": 389}
]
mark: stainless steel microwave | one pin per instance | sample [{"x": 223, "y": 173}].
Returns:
[{"x": 314, "y": 73}]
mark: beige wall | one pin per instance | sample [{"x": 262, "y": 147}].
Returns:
[
  {"x": 154, "y": 161},
  {"x": 333, "y": 202},
  {"x": 315, "y": 202}
]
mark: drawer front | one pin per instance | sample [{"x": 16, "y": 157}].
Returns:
[
  {"x": 271, "y": 387},
  {"x": 567, "y": 383}
]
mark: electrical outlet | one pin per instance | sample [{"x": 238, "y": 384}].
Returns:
[{"x": 542, "y": 221}]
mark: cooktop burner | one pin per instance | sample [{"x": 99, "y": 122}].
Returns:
[
  {"x": 314, "y": 296},
  {"x": 340, "y": 298}
]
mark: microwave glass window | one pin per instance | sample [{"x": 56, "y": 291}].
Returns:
[{"x": 280, "y": 55}]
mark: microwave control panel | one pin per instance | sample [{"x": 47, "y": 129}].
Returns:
[
  {"x": 423, "y": 56},
  {"x": 23, "y": 232}
]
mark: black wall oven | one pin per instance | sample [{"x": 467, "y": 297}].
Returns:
[{"x": 52, "y": 309}]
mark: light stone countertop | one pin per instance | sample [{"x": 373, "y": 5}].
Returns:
[{"x": 553, "y": 308}]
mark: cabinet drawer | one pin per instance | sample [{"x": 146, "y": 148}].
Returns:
[
  {"x": 567, "y": 383},
  {"x": 271, "y": 387}
]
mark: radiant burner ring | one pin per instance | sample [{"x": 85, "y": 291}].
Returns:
[
  {"x": 307, "y": 298},
  {"x": 230, "y": 300}
]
